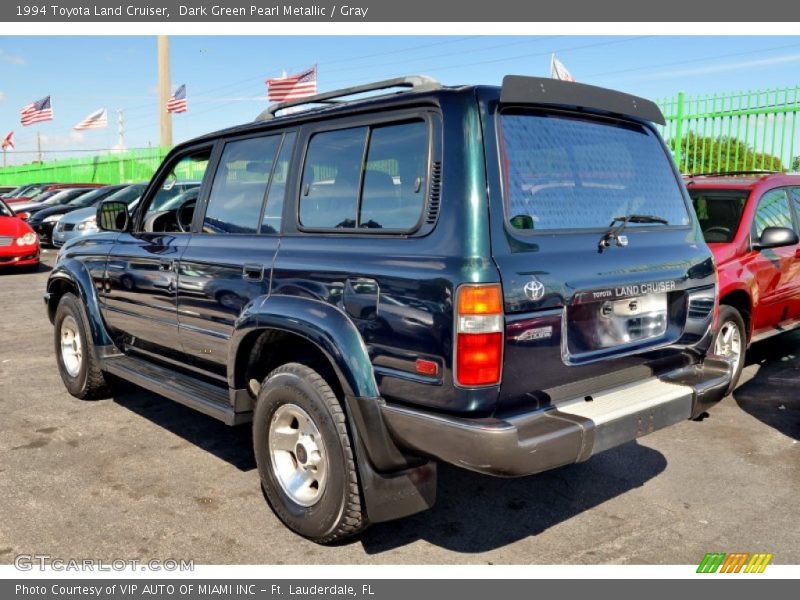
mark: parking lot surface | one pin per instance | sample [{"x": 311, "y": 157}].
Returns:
[{"x": 140, "y": 477}]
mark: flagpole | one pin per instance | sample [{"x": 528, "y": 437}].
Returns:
[{"x": 39, "y": 145}]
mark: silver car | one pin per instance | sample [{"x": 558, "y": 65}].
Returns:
[{"x": 83, "y": 221}]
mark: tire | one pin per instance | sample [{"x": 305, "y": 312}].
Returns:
[
  {"x": 731, "y": 325},
  {"x": 328, "y": 506},
  {"x": 81, "y": 374}
]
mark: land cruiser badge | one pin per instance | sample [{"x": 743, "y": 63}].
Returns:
[{"x": 534, "y": 289}]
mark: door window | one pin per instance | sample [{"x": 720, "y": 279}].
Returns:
[{"x": 773, "y": 211}]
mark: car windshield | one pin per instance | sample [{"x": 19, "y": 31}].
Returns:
[
  {"x": 563, "y": 173},
  {"x": 89, "y": 198},
  {"x": 719, "y": 213},
  {"x": 5, "y": 211},
  {"x": 128, "y": 194},
  {"x": 67, "y": 197}
]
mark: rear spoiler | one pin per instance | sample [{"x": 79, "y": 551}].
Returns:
[{"x": 518, "y": 89}]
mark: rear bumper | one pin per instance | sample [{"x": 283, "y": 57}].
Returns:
[{"x": 570, "y": 432}]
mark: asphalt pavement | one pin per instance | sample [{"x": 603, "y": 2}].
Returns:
[{"x": 140, "y": 477}]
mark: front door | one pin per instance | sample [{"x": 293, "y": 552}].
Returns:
[
  {"x": 140, "y": 291},
  {"x": 775, "y": 269}
]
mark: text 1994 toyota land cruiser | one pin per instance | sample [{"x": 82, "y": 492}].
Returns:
[{"x": 507, "y": 279}]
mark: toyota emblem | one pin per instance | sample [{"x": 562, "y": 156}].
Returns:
[{"x": 534, "y": 289}]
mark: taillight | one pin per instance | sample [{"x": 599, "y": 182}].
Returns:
[{"x": 479, "y": 333}]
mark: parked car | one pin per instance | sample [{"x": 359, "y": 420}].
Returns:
[
  {"x": 508, "y": 279},
  {"x": 60, "y": 197},
  {"x": 5, "y": 189},
  {"x": 19, "y": 246},
  {"x": 83, "y": 222},
  {"x": 751, "y": 223},
  {"x": 43, "y": 221},
  {"x": 33, "y": 195},
  {"x": 26, "y": 191}
]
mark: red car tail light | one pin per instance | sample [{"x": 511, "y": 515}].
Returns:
[{"x": 479, "y": 332}]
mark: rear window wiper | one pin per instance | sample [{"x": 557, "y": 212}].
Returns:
[{"x": 615, "y": 231}]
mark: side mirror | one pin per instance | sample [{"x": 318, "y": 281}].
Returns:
[
  {"x": 775, "y": 237},
  {"x": 112, "y": 215},
  {"x": 23, "y": 215}
]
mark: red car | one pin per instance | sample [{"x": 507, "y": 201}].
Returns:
[
  {"x": 751, "y": 223},
  {"x": 19, "y": 245}
]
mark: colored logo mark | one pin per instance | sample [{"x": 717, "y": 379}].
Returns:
[{"x": 737, "y": 562}]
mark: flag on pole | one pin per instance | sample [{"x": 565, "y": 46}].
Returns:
[
  {"x": 292, "y": 87},
  {"x": 8, "y": 141},
  {"x": 177, "y": 102},
  {"x": 97, "y": 120},
  {"x": 558, "y": 70},
  {"x": 36, "y": 112}
]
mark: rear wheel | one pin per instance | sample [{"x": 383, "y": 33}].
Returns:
[
  {"x": 730, "y": 341},
  {"x": 305, "y": 457},
  {"x": 77, "y": 364}
]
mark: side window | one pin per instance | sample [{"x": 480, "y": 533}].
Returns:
[
  {"x": 237, "y": 193},
  {"x": 773, "y": 211},
  {"x": 366, "y": 178},
  {"x": 273, "y": 211},
  {"x": 394, "y": 179},
  {"x": 177, "y": 192},
  {"x": 331, "y": 176}
]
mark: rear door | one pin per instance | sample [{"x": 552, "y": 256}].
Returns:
[
  {"x": 140, "y": 292},
  {"x": 581, "y": 315},
  {"x": 228, "y": 260},
  {"x": 777, "y": 270}
]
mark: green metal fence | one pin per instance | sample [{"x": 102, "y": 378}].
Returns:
[
  {"x": 744, "y": 131},
  {"x": 123, "y": 167}
]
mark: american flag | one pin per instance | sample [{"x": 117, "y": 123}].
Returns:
[
  {"x": 8, "y": 141},
  {"x": 177, "y": 102},
  {"x": 97, "y": 120},
  {"x": 36, "y": 112},
  {"x": 292, "y": 87}
]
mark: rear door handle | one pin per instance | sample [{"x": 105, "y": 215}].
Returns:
[{"x": 253, "y": 272}]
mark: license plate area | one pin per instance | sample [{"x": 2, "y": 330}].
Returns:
[{"x": 620, "y": 323}]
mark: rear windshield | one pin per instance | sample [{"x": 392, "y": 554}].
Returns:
[
  {"x": 719, "y": 213},
  {"x": 562, "y": 172}
]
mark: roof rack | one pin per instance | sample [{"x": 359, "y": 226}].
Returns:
[
  {"x": 728, "y": 173},
  {"x": 416, "y": 82}
]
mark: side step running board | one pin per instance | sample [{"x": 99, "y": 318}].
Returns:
[{"x": 209, "y": 399}]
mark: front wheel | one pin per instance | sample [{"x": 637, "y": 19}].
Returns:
[
  {"x": 77, "y": 364},
  {"x": 305, "y": 457},
  {"x": 730, "y": 341}
]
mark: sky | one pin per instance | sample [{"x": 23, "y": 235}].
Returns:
[{"x": 225, "y": 75}]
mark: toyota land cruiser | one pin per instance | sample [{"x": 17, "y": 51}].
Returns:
[{"x": 509, "y": 279}]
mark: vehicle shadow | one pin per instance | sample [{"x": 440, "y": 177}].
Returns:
[
  {"x": 234, "y": 445},
  {"x": 475, "y": 513},
  {"x": 40, "y": 268},
  {"x": 771, "y": 395}
]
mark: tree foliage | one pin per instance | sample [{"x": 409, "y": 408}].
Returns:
[{"x": 701, "y": 154}]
